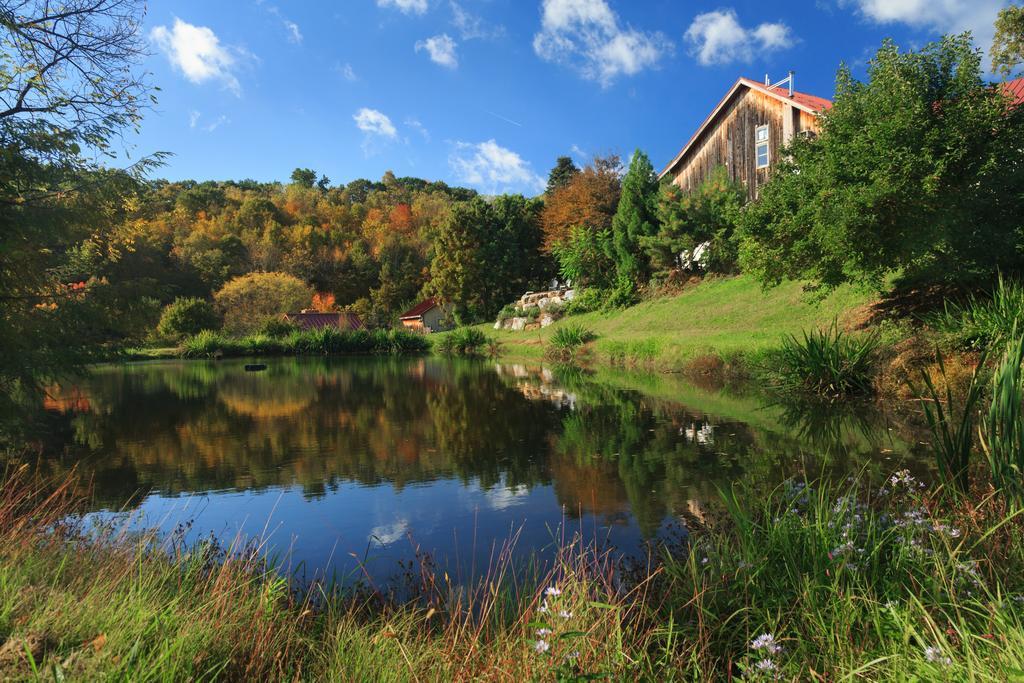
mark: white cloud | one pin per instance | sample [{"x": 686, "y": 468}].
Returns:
[
  {"x": 441, "y": 50},
  {"x": 294, "y": 34},
  {"x": 587, "y": 35},
  {"x": 493, "y": 168},
  {"x": 193, "y": 118},
  {"x": 347, "y": 72},
  {"x": 221, "y": 120},
  {"x": 579, "y": 153},
  {"x": 718, "y": 38},
  {"x": 946, "y": 16},
  {"x": 472, "y": 27},
  {"x": 415, "y": 124},
  {"x": 198, "y": 53},
  {"x": 373, "y": 122},
  {"x": 386, "y": 534},
  {"x": 405, "y": 6}
]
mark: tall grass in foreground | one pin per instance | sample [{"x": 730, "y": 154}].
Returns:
[
  {"x": 1003, "y": 433},
  {"x": 325, "y": 341},
  {"x": 952, "y": 425},
  {"x": 809, "y": 582},
  {"x": 826, "y": 363},
  {"x": 980, "y": 322}
]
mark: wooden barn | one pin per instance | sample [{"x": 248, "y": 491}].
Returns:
[
  {"x": 745, "y": 132},
  {"x": 427, "y": 316}
]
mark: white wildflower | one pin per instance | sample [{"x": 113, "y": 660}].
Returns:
[
  {"x": 552, "y": 591},
  {"x": 565, "y": 614},
  {"x": 541, "y": 646},
  {"x": 934, "y": 655},
  {"x": 766, "y": 642},
  {"x": 543, "y": 632},
  {"x": 766, "y": 665}
]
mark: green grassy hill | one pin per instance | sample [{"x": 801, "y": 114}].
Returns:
[{"x": 723, "y": 316}]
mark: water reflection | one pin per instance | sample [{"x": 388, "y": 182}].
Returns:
[{"x": 370, "y": 457}]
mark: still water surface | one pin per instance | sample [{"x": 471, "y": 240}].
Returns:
[{"x": 348, "y": 466}]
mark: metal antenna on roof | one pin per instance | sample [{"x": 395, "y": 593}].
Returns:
[
  {"x": 788, "y": 80},
  {"x": 767, "y": 81}
]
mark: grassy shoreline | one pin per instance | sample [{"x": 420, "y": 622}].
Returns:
[
  {"x": 816, "y": 582},
  {"x": 727, "y": 317}
]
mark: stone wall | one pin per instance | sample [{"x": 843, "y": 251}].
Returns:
[{"x": 535, "y": 310}]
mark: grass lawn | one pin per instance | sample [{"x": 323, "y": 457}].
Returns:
[{"x": 721, "y": 315}]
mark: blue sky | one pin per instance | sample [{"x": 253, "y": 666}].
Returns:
[{"x": 484, "y": 93}]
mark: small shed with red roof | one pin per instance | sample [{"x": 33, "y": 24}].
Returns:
[
  {"x": 745, "y": 133},
  {"x": 316, "y": 320},
  {"x": 427, "y": 316}
]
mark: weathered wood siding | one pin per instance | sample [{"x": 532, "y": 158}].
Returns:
[{"x": 729, "y": 141}]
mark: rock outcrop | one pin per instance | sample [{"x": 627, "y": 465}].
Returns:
[{"x": 534, "y": 310}]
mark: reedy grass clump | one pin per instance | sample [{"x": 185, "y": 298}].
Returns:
[
  {"x": 952, "y": 426},
  {"x": 1003, "y": 433},
  {"x": 567, "y": 343},
  {"x": 980, "y": 322},
  {"x": 469, "y": 342},
  {"x": 323, "y": 341},
  {"x": 827, "y": 363}
]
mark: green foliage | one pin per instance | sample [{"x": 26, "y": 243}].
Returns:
[
  {"x": 639, "y": 352},
  {"x": 487, "y": 252},
  {"x": 571, "y": 336},
  {"x": 825, "y": 363},
  {"x": 564, "y": 171},
  {"x": 952, "y": 433},
  {"x": 916, "y": 171},
  {"x": 70, "y": 80},
  {"x": 1007, "y": 50},
  {"x": 306, "y": 177},
  {"x": 586, "y": 300},
  {"x": 465, "y": 341},
  {"x": 278, "y": 327},
  {"x": 567, "y": 344},
  {"x": 187, "y": 316},
  {"x": 1003, "y": 433},
  {"x": 583, "y": 259},
  {"x": 635, "y": 218},
  {"x": 709, "y": 214},
  {"x": 249, "y": 301},
  {"x": 980, "y": 322},
  {"x": 324, "y": 341}
]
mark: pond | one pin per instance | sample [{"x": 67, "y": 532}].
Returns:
[{"x": 347, "y": 467}]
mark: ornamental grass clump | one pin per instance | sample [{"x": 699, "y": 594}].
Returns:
[
  {"x": 466, "y": 341},
  {"x": 827, "y": 363},
  {"x": 1003, "y": 429},
  {"x": 568, "y": 343}
]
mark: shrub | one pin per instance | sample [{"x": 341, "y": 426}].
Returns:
[
  {"x": 278, "y": 328},
  {"x": 509, "y": 311},
  {"x": 466, "y": 341},
  {"x": 1003, "y": 432},
  {"x": 567, "y": 342},
  {"x": 826, "y": 363},
  {"x": 586, "y": 300},
  {"x": 248, "y": 302},
  {"x": 977, "y": 323},
  {"x": 187, "y": 316},
  {"x": 209, "y": 344}
]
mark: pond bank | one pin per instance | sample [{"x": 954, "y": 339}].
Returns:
[{"x": 812, "y": 582}]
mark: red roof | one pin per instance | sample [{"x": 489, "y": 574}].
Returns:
[
  {"x": 317, "y": 321},
  {"x": 419, "y": 309},
  {"x": 812, "y": 104},
  {"x": 1015, "y": 89}
]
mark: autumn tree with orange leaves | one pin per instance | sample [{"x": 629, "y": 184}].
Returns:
[{"x": 589, "y": 200}]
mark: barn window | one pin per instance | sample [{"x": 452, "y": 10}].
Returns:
[{"x": 761, "y": 146}]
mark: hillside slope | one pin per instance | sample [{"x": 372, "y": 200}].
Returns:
[{"x": 720, "y": 315}]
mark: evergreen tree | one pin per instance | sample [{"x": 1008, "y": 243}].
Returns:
[
  {"x": 561, "y": 174},
  {"x": 635, "y": 218}
]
